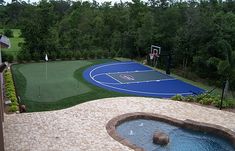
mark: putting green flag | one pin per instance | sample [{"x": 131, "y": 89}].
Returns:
[{"x": 46, "y": 58}]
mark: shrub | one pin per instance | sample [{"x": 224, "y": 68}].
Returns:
[
  {"x": 69, "y": 54},
  {"x": 63, "y": 55},
  {"x": 105, "y": 54},
  {"x": 77, "y": 55},
  {"x": 36, "y": 56},
  {"x": 13, "y": 108},
  {"x": 53, "y": 55},
  {"x": 112, "y": 54},
  {"x": 177, "y": 97},
  {"x": 10, "y": 91},
  {"x": 7, "y": 57},
  {"x": 92, "y": 55},
  {"x": 85, "y": 55},
  {"x": 15, "y": 103},
  {"x": 227, "y": 103},
  {"x": 8, "y": 33},
  {"x": 20, "y": 57},
  {"x": 206, "y": 101},
  {"x": 99, "y": 54},
  {"x": 26, "y": 56},
  {"x": 190, "y": 98},
  {"x": 58, "y": 54}
]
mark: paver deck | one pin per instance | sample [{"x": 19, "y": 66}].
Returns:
[{"x": 82, "y": 127}]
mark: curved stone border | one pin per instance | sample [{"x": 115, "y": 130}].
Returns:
[{"x": 187, "y": 124}]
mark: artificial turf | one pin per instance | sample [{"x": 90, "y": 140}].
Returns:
[{"x": 63, "y": 87}]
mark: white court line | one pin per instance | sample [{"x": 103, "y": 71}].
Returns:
[
  {"x": 134, "y": 71},
  {"x": 127, "y": 90},
  {"x": 148, "y": 81},
  {"x": 138, "y": 82},
  {"x": 114, "y": 78},
  {"x": 111, "y": 65}
]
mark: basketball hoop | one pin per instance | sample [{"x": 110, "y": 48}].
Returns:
[
  {"x": 155, "y": 49},
  {"x": 154, "y": 55},
  {"x": 151, "y": 56}
]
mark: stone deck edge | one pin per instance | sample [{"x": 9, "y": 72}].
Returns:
[{"x": 187, "y": 124}]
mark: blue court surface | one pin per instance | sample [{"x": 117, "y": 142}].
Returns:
[{"x": 136, "y": 79}]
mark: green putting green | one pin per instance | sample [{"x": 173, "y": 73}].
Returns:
[
  {"x": 49, "y": 82},
  {"x": 64, "y": 85}
]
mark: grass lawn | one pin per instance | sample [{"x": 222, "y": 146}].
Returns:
[
  {"x": 14, "y": 43},
  {"x": 63, "y": 87}
]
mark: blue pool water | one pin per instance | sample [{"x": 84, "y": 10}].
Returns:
[{"x": 140, "y": 133}]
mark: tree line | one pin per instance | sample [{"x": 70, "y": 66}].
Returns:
[{"x": 199, "y": 35}]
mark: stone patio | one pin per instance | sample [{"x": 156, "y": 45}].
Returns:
[{"x": 82, "y": 127}]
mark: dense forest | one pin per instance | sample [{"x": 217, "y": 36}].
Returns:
[{"x": 199, "y": 35}]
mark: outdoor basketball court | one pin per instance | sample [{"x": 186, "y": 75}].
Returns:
[{"x": 137, "y": 79}]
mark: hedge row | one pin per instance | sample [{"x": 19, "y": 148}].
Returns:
[
  {"x": 10, "y": 91},
  {"x": 65, "y": 55},
  {"x": 206, "y": 99}
]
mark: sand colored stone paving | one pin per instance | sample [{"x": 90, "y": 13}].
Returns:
[{"x": 82, "y": 127}]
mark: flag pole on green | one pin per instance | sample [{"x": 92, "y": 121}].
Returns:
[{"x": 46, "y": 59}]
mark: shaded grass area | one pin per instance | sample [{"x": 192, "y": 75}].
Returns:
[
  {"x": 93, "y": 93},
  {"x": 122, "y": 59}
]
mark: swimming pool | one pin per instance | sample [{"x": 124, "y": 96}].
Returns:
[
  {"x": 136, "y": 131},
  {"x": 140, "y": 133}
]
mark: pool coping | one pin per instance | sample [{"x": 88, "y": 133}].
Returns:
[{"x": 187, "y": 124}]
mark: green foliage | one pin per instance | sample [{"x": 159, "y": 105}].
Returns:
[
  {"x": 7, "y": 57},
  {"x": 190, "y": 98},
  {"x": 69, "y": 54},
  {"x": 177, "y": 97},
  {"x": 8, "y": 33},
  {"x": 206, "y": 99},
  {"x": 92, "y": 55},
  {"x": 112, "y": 54},
  {"x": 106, "y": 54},
  {"x": 99, "y": 54},
  {"x": 23, "y": 56},
  {"x": 10, "y": 91},
  {"x": 53, "y": 55},
  {"x": 20, "y": 57},
  {"x": 13, "y": 108},
  {"x": 36, "y": 56},
  {"x": 63, "y": 55},
  {"x": 85, "y": 55},
  {"x": 77, "y": 55},
  {"x": 224, "y": 68},
  {"x": 227, "y": 103}
]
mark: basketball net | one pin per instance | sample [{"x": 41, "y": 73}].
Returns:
[{"x": 153, "y": 55}]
